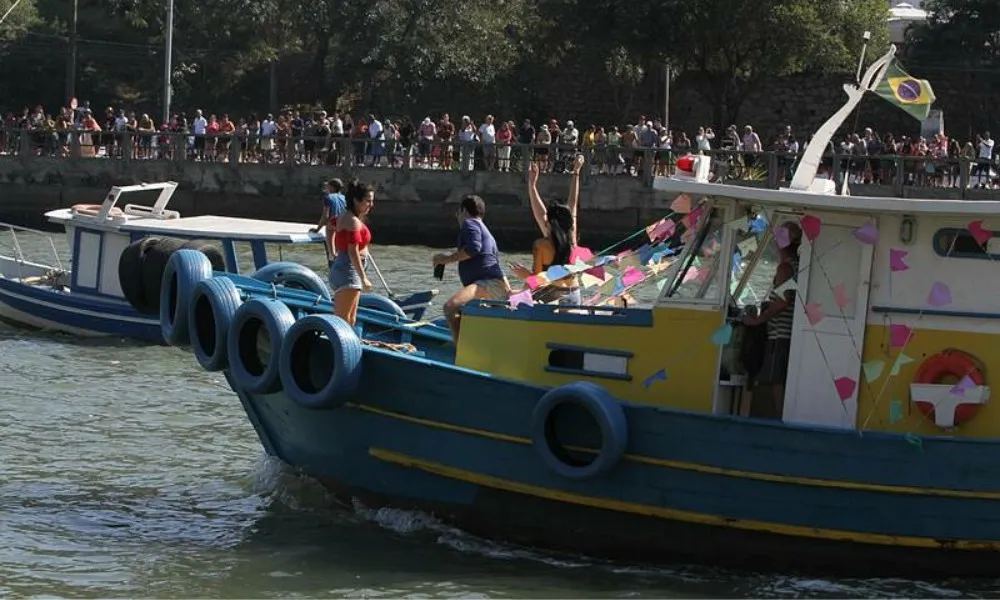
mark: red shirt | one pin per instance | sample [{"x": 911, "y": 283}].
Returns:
[{"x": 343, "y": 238}]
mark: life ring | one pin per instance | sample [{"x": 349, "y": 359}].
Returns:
[
  {"x": 601, "y": 407},
  {"x": 294, "y": 276},
  {"x": 185, "y": 269},
  {"x": 92, "y": 210},
  {"x": 950, "y": 366},
  {"x": 213, "y": 305},
  {"x": 321, "y": 362},
  {"x": 253, "y": 359}
]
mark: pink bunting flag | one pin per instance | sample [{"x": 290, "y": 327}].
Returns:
[
  {"x": 522, "y": 297},
  {"x": 681, "y": 204},
  {"x": 939, "y": 296},
  {"x": 810, "y": 227},
  {"x": 532, "y": 282},
  {"x": 580, "y": 253},
  {"x": 867, "y": 233},
  {"x": 840, "y": 296},
  {"x": 597, "y": 272},
  {"x": 899, "y": 335},
  {"x": 632, "y": 276},
  {"x": 845, "y": 388},
  {"x": 692, "y": 219},
  {"x": 692, "y": 273},
  {"x": 963, "y": 386},
  {"x": 814, "y": 313},
  {"x": 781, "y": 237},
  {"x": 980, "y": 233},
  {"x": 663, "y": 229},
  {"x": 896, "y": 260}
]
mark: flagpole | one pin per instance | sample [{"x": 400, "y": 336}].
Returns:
[
  {"x": 861, "y": 61},
  {"x": 167, "y": 67}
]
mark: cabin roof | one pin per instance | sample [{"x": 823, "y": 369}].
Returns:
[
  {"x": 793, "y": 199},
  {"x": 235, "y": 228}
]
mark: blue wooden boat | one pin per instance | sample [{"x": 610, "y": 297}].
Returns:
[
  {"x": 117, "y": 257},
  {"x": 624, "y": 432}
]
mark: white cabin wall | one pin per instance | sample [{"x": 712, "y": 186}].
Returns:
[
  {"x": 114, "y": 245},
  {"x": 974, "y": 282}
]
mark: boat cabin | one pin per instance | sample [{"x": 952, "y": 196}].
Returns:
[
  {"x": 892, "y": 324},
  {"x": 98, "y": 234}
]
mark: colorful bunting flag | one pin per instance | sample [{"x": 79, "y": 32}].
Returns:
[
  {"x": 939, "y": 296},
  {"x": 681, "y": 204},
  {"x": 964, "y": 385},
  {"x": 901, "y": 360},
  {"x": 632, "y": 276},
  {"x": 810, "y": 227},
  {"x": 840, "y": 296},
  {"x": 979, "y": 233},
  {"x": 895, "y": 411},
  {"x": 899, "y": 335},
  {"x": 782, "y": 237},
  {"x": 814, "y": 312},
  {"x": 845, "y": 387},
  {"x": 522, "y": 297},
  {"x": 873, "y": 369},
  {"x": 896, "y": 262},
  {"x": 580, "y": 253},
  {"x": 867, "y": 233},
  {"x": 723, "y": 335},
  {"x": 660, "y": 375}
]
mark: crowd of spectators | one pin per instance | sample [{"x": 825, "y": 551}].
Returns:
[{"x": 319, "y": 137}]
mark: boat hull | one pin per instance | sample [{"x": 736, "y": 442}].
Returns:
[
  {"x": 717, "y": 490},
  {"x": 40, "y": 307}
]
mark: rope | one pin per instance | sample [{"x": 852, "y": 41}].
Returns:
[{"x": 401, "y": 347}]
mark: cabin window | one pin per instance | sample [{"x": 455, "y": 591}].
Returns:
[
  {"x": 754, "y": 266},
  {"x": 592, "y": 362},
  {"x": 696, "y": 279},
  {"x": 959, "y": 243}
]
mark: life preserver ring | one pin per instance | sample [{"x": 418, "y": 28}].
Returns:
[
  {"x": 950, "y": 366},
  {"x": 92, "y": 210}
]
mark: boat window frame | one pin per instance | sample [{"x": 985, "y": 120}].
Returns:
[
  {"x": 961, "y": 232},
  {"x": 725, "y": 209}
]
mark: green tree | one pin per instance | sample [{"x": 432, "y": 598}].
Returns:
[
  {"x": 730, "y": 48},
  {"x": 18, "y": 21},
  {"x": 966, "y": 32}
]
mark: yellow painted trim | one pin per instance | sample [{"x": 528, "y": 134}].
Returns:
[
  {"x": 699, "y": 468},
  {"x": 673, "y": 513}
]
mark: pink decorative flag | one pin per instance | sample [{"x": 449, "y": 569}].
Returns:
[
  {"x": 867, "y": 233},
  {"x": 896, "y": 260},
  {"x": 899, "y": 335},
  {"x": 704, "y": 275},
  {"x": 940, "y": 295},
  {"x": 580, "y": 253},
  {"x": 840, "y": 296},
  {"x": 532, "y": 281},
  {"x": 781, "y": 237},
  {"x": 814, "y": 313},
  {"x": 681, "y": 204},
  {"x": 632, "y": 276},
  {"x": 522, "y": 297},
  {"x": 692, "y": 273},
  {"x": 810, "y": 227},
  {"x": 661, "y": 230},
  {"x": 980, "y": 233},
  {"x": 963, "y": 386},
  {"x": 692, "y": 219},
  {"x": 845, "y": 388}
]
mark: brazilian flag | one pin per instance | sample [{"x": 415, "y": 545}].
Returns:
[{"x": 915, "y": 96}]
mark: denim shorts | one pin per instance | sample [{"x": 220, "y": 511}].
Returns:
[{"x": 343, "y": 275}]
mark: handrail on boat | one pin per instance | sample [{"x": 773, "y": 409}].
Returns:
[{"x": 17, "y": 244}]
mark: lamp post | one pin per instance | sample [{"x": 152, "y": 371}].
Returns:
[
  {"x": 167, "y": 67},
  {"x": 71, "y": 57},
  {"x": 667, "y": 73}
]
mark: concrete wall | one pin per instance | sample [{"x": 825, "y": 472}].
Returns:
[{"x": 412, "y": 206}]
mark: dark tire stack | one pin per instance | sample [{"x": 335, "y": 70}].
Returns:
[{"x": 141, "y": 266}]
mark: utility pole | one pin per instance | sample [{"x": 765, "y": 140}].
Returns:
[
  {"x": 666, "y": 96},
  {"x": 71, "y": 58},
  {"x": 167, "y": 67}
]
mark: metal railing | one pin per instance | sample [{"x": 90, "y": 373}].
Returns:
[
  {"x": 769, "y": 169},
  {"x": 18, "y": 250}
]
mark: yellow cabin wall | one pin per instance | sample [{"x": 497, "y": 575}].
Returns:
[{"x": 679, "y": 341}]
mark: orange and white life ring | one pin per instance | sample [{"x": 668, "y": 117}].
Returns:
[
  {"x": 95, "y": 209},
  {"x": 950, "y": 367}
]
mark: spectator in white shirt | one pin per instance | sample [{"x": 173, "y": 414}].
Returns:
[{"x": 488, "y": 137}]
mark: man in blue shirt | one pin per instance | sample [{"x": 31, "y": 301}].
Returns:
[
  {"x": 334, "y": 205},
  {"x": 478, "y": 262}
]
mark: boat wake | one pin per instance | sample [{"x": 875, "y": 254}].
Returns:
[{"x": 293, "y": 491}]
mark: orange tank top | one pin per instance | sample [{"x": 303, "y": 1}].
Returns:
[{"x": 343, "y": 238}]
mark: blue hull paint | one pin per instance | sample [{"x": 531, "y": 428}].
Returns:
[
  {"x": 335, "y": 446},
  {"x": 77, "y": 313}
]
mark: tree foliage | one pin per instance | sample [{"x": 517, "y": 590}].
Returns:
[
  {"x": 958, "y": 31},
  {"x": 390, "y": 54}
]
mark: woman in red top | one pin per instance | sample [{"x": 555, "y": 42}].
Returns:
[{"x": 351, "y": 240}]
